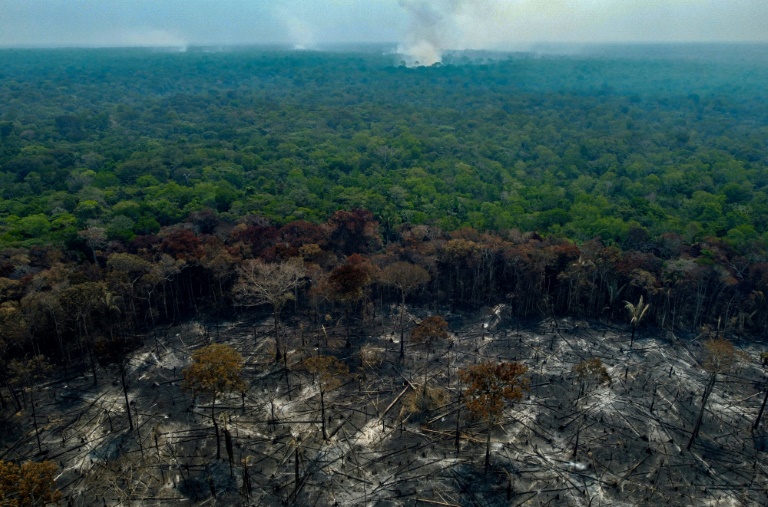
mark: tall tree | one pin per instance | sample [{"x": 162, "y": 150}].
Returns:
[
  {"x": 84, "y": 303},
  {"x": 488, "y": 386},
  {"x": 354, "y": 231},
  {"x": 329, "y": 373},
  {"x": 636, "y": 314},
  {"x": 14, "y": 333},
  {"x": 429, "y": 331},
  {"x": 215, "y": 370},
  {"x": 260, "y": 283},
  {"x": 406, "y": 278},
  {"x": 764, "y": 361},
  {"x": 25, "y": 375},
  {"x": 95, "y": 238},
  {"x": 720, "y": 356},
  {"x": 347, "y": 283},
  {"x": 116, "y": 351}
]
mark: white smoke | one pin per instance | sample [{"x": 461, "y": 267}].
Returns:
[
  {"x": 435, "y": 26},
  {"x": 431, "y": 28},
  {"x": 300, "y": 33}
]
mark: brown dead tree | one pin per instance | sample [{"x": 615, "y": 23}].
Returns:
[{"x": 489, "y": 385}]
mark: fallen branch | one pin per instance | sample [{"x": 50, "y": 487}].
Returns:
[{"x": 402, "y": 393}]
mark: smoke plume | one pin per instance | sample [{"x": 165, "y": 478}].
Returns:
[
  {"x": 438, "y": 25},
  {"x": 431, "y": 29}
]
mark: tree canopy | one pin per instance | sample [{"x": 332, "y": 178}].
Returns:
[
  {"x": 626, "y": 147},
  {"x": 215, "y": 369}
]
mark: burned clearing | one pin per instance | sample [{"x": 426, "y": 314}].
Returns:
[{"x": 612, "y": 432}]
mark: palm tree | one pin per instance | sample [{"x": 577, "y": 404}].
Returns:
[{"x": 636, "y": 314}]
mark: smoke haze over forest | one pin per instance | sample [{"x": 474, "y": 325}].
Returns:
[{"x": 422, "y": 28}]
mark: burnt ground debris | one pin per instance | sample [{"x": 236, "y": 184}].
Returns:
[{"x": 566, "y": 442}]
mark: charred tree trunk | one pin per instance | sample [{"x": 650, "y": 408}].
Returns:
[
  {"x": 402, "y": 329},
  {"x": 278, "y": 355},
  {"x": 760, "y": 414},
  {"x": 15, "y": 398},
  {"x": 216, "y": 428},
  {"x": 125, "y": 395},
  {"x": 488, "y": 447},
  {"x": 348, "y": 343},
  {"x": 457, "y": 442},
  {"x": 230, "y": 451},
  {"x": 34, "y": 420},
  {"x": 93, "y": 364},
  {"x": 296, "y": 474},
  {"x": 322, "y": 414},
  {"x": 697, "y": 425}
]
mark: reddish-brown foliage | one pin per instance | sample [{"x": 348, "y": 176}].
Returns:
[
  {"x": 354, "y": 231},
  {"x": 301, "y": 233},
  {"x": 490, "y": 384},
  {"x": 347, "y": 281},
  {"x": 182, "y": 244},
  {"x": 256, "y": 237},
  {"x": 430, "y": 330}
]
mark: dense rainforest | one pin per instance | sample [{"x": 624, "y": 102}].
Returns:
[
  {"x": 612, "y": 145},
  {"x": 342, "y": 197}
]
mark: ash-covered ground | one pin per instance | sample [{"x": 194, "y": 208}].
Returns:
[{"x": 597, "y": 442}]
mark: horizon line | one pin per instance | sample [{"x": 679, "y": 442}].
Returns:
[{"x": 321, "y": 45}]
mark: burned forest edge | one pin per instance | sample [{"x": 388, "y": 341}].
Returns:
[{"x": 325, "y": 363}]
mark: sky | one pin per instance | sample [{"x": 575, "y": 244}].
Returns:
[{"x": 420, "y": 27}]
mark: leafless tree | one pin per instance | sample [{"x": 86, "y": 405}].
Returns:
[
  {"x": 260, "y": 283},
  {"x": 406, "y": 278},
  {"x": 428, "y": 333},
  {"x": 720, "y": 358},
  {"x": 25, "y": 375},
  {"x": 764, "y": 361},
  {"x": 329, "y": 373}
]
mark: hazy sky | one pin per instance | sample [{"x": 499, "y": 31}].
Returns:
[{"x": 440, "y": 24}]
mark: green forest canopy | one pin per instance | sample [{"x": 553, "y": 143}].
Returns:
[{"x": 615, "y": 143}]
